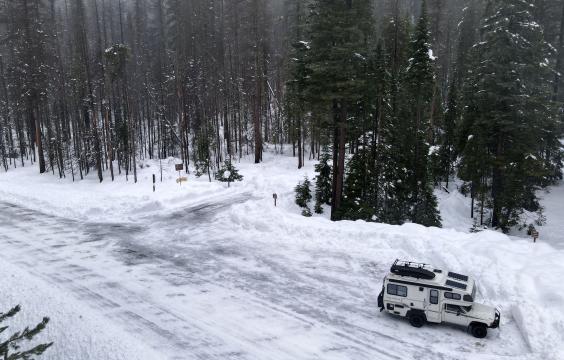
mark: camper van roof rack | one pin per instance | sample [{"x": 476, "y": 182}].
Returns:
[{"x": 412, "y": 269}]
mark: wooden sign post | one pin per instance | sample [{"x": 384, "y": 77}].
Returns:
[
  {"x": 535, "y": 235},
  {"x": 179, "y": 168},
  {"x": 275, "y": 197},
  {"x": 154, "y": 181}
]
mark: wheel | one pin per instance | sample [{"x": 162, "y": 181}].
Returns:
[
  {"x": 416, "y": 320},
  {"x": 479, "y": 330}
]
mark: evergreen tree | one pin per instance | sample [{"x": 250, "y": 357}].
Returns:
[
  {"x": 11, "y": 347},
  {"x": 426, "y": 210},
  {"x": 447, "y": 153},
  {"x": 419, "y": 84},
  {"x": 323, "y": 182},
  {"x": 228, "y": 173},
  {"x": 303, "y": 196},
  {"x": 357, "y": 200},
  {"x": 334, "y": 80},
  {"x": 29, "y": 69},
  {"x": 297, "y": 83},
  {"x": 466, "y": 39},
  {"x": 511, "y": 148},
  {"x": 380, "y": 111},
  {"x": 393, "y": 160}
]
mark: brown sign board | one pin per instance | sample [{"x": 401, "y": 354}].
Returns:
[
  {"x": 179, "y": 167},
  {"x": 535, "y": 234}
]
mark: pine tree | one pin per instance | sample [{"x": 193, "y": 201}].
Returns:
[
  {"x": 466, "y": 39},
  {"x": 297, "y": 83},
  {"x": 447, "y": 153},
  {"x": 11, "y": 348},
  {"x": 28, "y": 42},
  {"x": 334, "y": 80},
  {"x": 303, "y": 196},
  {"x": 358, "y": 203},
  {"x": 393, "y": 160},
  {"x": 228, "y": 173},
  {"x": 510, "y": 121},
  {"x": 426, "y": 210},
  {"x": 419, "y": 84},
  {"x": 380, "y": 110},
  {"x": 323, "y": 182}
]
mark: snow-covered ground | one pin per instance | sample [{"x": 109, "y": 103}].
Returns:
[
  {"x": 79, "y": 331},
  {"x": 553, "y": 203},
  {"x": 206, "y": 271}
]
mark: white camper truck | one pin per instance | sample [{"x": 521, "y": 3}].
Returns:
[{"x": 422, "y": 294}]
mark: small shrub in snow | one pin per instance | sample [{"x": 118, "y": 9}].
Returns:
[
  {"x": 306, "y": 212},
  {"x": 303, "y": 196},
  {"x": 201, "y": 167},
  {"x": 477, "y": 227},
  {"x": 228, "y": 173},
  {"x": 323, "y": 182},
  {"x": 11, "y": 347}
]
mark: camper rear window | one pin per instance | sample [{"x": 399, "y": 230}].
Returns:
[
  {"x": 452, "y": 296},
  {"x": 397, "y": 290}
]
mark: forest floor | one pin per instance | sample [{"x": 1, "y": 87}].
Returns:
[{"x": 203, "y": 271}]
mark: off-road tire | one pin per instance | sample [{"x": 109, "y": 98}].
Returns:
[
  {"x": 479, "y": 331},
  {"x": 416, "y": 319}
]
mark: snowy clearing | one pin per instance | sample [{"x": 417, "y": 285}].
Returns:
[{"x": 206, "y": 271}]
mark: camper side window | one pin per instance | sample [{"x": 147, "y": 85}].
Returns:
[
  {"x": 452, "y": 296},
  {"x": 434, "y": 296},
  {"x": 397, "y": 290}
]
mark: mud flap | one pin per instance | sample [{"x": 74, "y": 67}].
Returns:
[{"x": 381, "y": 300}]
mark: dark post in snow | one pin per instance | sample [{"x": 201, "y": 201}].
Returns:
[
  {"x": 275, "y": 197},
  {"x": 535, "y": 235},
  {"x": 154, "y": 181}
]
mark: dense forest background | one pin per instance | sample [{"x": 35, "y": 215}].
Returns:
[{"x": 394, "y": 97}]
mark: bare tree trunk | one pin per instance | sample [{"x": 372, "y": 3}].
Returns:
[
  {"x": 38, "y": 140},
  {"x": 340, "y": 116}
]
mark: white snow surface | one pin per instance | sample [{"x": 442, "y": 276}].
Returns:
[
  {"x": 206, "y": 271},
  {"x": 78, "y": 331},
  {"x": 553, "y": 203}
]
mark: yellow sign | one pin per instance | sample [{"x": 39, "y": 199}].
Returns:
[{"x": 180, "y": 180}]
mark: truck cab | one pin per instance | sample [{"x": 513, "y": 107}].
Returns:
[{"x": 422, "y": 293}]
